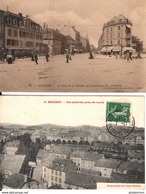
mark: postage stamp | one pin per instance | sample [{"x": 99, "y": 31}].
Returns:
[{"x": 119, "y": 121}]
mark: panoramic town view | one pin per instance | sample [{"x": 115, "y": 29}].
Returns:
[
  {"x": 78, "y": 153},
  {"x": 57, "y": 47},
  {"x": 58, "y": 157}
]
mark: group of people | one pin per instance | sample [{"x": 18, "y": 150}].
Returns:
[{"x": 9, "y": 58}]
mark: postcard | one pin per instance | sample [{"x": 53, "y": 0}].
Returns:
[
  {"x": 72, "y": 46},
  {"x": 72, "y": 142}
]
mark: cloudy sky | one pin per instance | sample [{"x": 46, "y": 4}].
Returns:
[
  {"x": 70, "y": 111},
  {"x": 87, "y": 15}
]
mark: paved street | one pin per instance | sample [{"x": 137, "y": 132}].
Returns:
[{"x": 102, "y": 74}]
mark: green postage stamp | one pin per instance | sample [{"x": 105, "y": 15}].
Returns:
[{"x": 119, "y": 121}]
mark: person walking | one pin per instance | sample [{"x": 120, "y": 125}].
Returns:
[
  {"x": 36, "y": 58},
  {"x": 32, "y": 57},
  {"x": 130, "y": 55},
  {"x": 127, "y": 56},
  {"x": 67, "y": 57},
  {"x": 47, "y": 57}
]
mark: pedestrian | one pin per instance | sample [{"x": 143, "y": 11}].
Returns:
[
  {"x": 32, "y": 57},
  {"x": 130, "y": 55},
  {"x": 36, "y": 58},
  {"x": 9, "y": 59},
  {"x": 67, "y": 57},
  {"x": 47, "y": 57},
  {"x": 127, "y": 56},
  {"x": 91, "y": 55}
]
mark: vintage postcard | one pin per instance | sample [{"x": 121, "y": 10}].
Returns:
[
  {"x": 72, "y": 142},
  {"x": 72, "y": 46}
]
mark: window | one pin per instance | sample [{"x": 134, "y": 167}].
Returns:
[
  {"x": 119, "y": 34},
  {"x": 44, "y": 176},
  {"x": 56, "y": 179},
  {"x": 59, "y": 180},
  {"x": 44, "y": 169},
  {"x": 15, "y": 22},
  {"x": 60, "y": 173},
  {"x": 119, "y": 28},
  {"x": 15, "y": 33},
  {"x": 56, "y": 172},
  {"x": 118, "y": 41},
  {"x": 9, "y": 21},
  {"x": 52, "y": 178},
  {"x": 9, "y": 32}
]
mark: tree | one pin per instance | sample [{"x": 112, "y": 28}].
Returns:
[{"x": 138, "y": 44}]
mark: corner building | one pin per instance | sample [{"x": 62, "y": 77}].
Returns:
[{"x": 116, "y": 35}]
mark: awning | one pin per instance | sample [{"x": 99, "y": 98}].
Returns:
[
  {"x": 103, "y": 50},
  {"x": 128, "y": 26},
  {"x": 116, "y": 49},
  {"x": 127, "y": 48}
]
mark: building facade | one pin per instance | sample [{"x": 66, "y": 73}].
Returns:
[
  {"x": 20, "y": 35},
  {"x": 116, "y": 35},
  {"x": 57, "y": 42}
]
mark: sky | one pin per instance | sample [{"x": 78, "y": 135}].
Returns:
[
  {"x": 87, "y": 16},
  {"x": 65, "y": 110}
]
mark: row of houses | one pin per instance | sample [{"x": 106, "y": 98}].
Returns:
[
  {"x": 20, "y": 36},
  {"x": 68, "y": 167}
]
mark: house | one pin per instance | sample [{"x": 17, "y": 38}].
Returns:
[
  {"x": 82, "y": 180},
  {"x": 11, "y": 147},
  {"x": 132, "y": 168},
  {"x": 54, "y": 152},
  {"x": 122, "y": 178},
  {"x": 19, "y": 181},
  {"x": 106, "y": 167},
  {"x": 89, "y": 159},
  {"x": 134, "y": 156},
  {"x": 13, "y": 164},
  {"x": 76, "y": 157},
  {"x": 55, "y": 174}
]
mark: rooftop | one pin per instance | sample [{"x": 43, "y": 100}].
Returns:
[
  {"x": 122, "y": 178},
  {"x": 84, "y": 180},
  {"x": 106, "y": 163},
  {"x": 15, "y": 181},
  {"x": 136, "y": 155},
  {"x": 60, "y": 164},
  {"x": 12, "y": 144},
  {"x": 13, "y": 163},
  {"x": 92, "y": 156},
  {"x": 129, "y": 166},
  {"x": 77, "y": 154}
]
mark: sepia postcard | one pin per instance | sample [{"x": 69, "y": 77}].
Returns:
[
  {"x": 72, "y": 142},
  {"x": 72, "y": 46}
]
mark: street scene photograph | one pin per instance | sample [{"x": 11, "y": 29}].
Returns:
[
  {"x": 72, "y": 46},
  {"x": 72, "y": 142}
]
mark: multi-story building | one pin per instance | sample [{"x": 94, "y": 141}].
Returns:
[
  {"x": 55, "y": 174},
  {"x": 57, "y": 42},
  {"x": 116, "y": 35},
  {"x": 20, "y": 35},
  {"x": 106, "y": 167}
]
